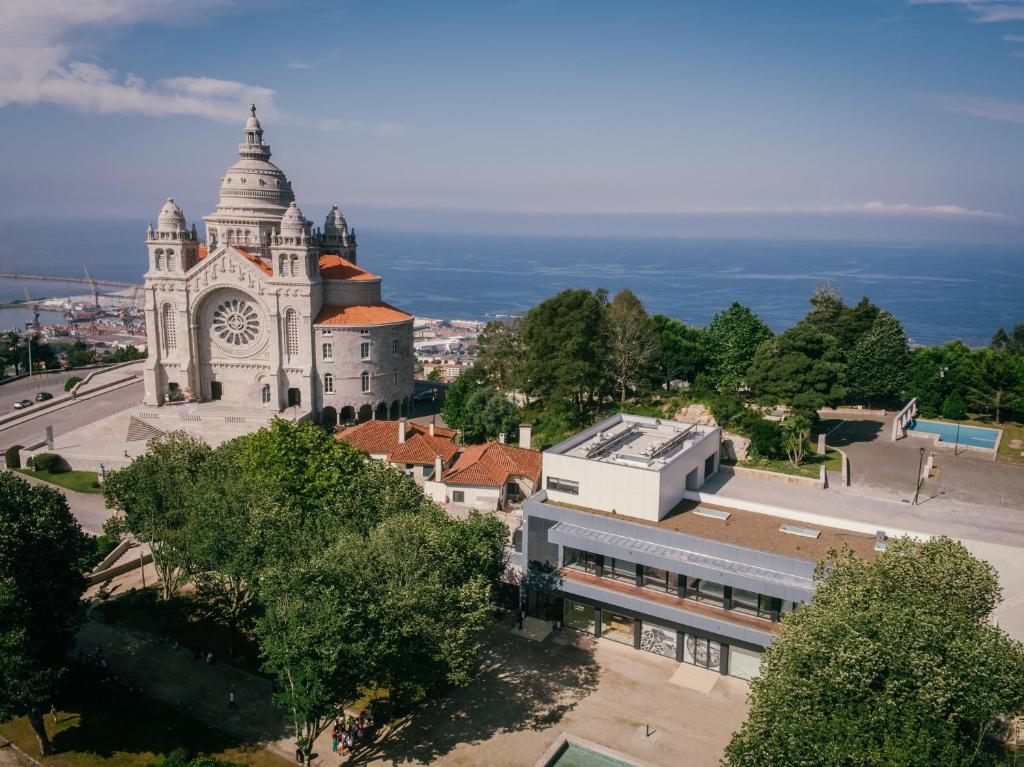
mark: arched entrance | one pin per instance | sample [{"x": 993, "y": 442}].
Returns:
[
  {"x": 348, "y": 414},
  {"x": 294, "y": 397},
  {"x": 329, "y": 418},
  {"x": 365, "y": 413},
  {"x": 382, "y": 412},
  {"x": 394, "y": 410}
]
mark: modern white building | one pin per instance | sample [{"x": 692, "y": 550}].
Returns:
[
  {"x": 618, "y": 545},
  {"x": 269, "y": 313}
]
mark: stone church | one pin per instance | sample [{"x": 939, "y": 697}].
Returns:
[{"x": 270, "y": 315}]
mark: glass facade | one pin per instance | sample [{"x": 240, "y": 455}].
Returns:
[
  {"x": 660, "y": 580},
  {"x": 751, "y": 603},
  {"x": 620, "y": 569},
  {"x": 706, "y": 591},
  {"x": 703, "y": 652},
  {"x": 617, "y": 627},
  {"x": 579, "y": 616},
  {"x": 580, "y": 560}
]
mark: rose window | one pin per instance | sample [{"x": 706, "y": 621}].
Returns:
[{"x": 236, "y": 322}]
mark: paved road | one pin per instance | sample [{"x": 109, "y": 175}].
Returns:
[
  {"x": 27, "y": 388},
  {"x": 88, "y": 508},
  {"x": 73, "y": 416}
]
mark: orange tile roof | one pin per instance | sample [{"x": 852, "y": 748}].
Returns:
[
  {"x": 368, "y": 314},
  {"x": 381, "y": 438},
  {"x": 492, "y": 464},
  {"x": 334, "y": 267},
  {"x": 203, "y": 252},
  {"x": 255, "y": 259}
]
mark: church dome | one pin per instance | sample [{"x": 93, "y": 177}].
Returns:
[
  {"x": 335, "y": 225},
  {"x": 254, "y": 185},
  {"x": 170, "y": 218}
]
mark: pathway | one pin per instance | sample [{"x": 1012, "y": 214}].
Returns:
[{"x": 89, "y": 508}]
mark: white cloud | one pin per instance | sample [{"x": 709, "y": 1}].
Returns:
[
  {"x": 1014, "y": 38},
  {"x": 984, "y": 11},
  {"x": 976, "y": 106},
  {"x": 313, "y": 64},
  {"x": 38, "y": 62},
  {"x": 907, "y": 209}
]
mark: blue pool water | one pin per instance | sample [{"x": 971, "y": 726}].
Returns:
[
  {"x": 578, "y": 756},
  {"x": 972, "y": 436}
]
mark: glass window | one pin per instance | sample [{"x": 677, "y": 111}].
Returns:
[
  {"x": 394, "y": 376},
  {"x": 579, "y": 560},
  {"x": 328, "y": 350},
  {"x": 660, "y": 640},
  {"x": 563, "y": 485},
  {"x": 328, "y": 383},
  {"x": 265, "y": 394},
  {"x": 364, "y": 380},
  {"x": 620, "y": 569},
  {"x": 745, "y": 664},
  {"x": 702, "y": 652},
  {"x": 617, "y": 627},
  {"x": 327, "y": 332},
  {"x": 364, "y": 350},
  {"x": 170, "y": 335},
  {"x": 660, "y": 580},
  {"x": 750, "y": 603},
  {"x": 458, "y": 496},
  {"x": 579, "y": 616},
  {"x": 291, "y": 327},
  {"x": 705, "y": 591},
  {"x": 394, "y": 347}
]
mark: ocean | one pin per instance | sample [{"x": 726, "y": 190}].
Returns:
[{"x": 939, "y": 292}]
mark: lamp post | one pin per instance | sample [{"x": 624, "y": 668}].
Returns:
[
  {"x": 29, "y": 338},
  {"x": 920, "y": 466}
]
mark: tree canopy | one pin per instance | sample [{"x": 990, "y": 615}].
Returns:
[
  {"x": 43, "y": 553},
  {"x": 801, "y": 367},
  {"x": 894, "y": 663},
  {"x": 880, "y": 361},
  {"x": 632, "y": 343},
  {"x": 731, "y": 340}
]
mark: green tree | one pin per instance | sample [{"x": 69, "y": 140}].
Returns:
[
  {"x": 124, "y": 354},
  {"x": 566, "y": 349},
  {"x": 997, "y": 383},
  {"x": 954, "y": 407},
  {"x": 429, "y": 580},
  {"x": 796, "y": 430},
  {"x": 1012, "y": 342},
  {"x": 894, "y": 663},
  {"x": 435, "y": 374},
  {"x": 680, "y": 355},
  {"x": 500, "y": 353},
  {"x": 800, "y": 367},
  {"x": 313, "y": 633},
  {"x": 731, "y": 341},
  {"x": 455, "y": 410},
  {"x": 880, "y": 362},
  {"x": 43, "y": 552},
  {"x": 43, "y": 355},
  {"x": 154, "y": 492},
  {"x": 380, "y": 492},
  {"x": 853, "y": 323},
  {"x": 223, "y": 536},
  {"x": 826, "y": 308},
  {"x": 78, "y": 355},
  {"x": 631, "y": 341},
  {"x": 10, "y": 352},
  {"x": 488, "y": 415}
]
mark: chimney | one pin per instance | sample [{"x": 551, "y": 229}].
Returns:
[
  {"x": 501, "y": 438},
  {"x": 401, "y": 431},
  {"x": 437, "y": 468},
  {"x": 525, "y": 435},
  {"x": 431, "y": 428}
]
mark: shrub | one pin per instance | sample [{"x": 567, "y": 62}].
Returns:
[
  {"x": 954, "y": 407},
  {"x": 50, "y": 462},
  {"x": 766, "y": 439},
  {"x": 70, "y": 383},
  {"x": 12, "y": 457}
]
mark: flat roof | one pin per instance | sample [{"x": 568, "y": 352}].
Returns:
[
  {"x": 750, "y": 530},
  {"x": 631, "y": 440}
]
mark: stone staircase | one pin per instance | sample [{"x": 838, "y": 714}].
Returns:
[{"x": 140, "y": 431}]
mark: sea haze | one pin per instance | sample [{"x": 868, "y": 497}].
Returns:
[{"x": 940, "y": 292}]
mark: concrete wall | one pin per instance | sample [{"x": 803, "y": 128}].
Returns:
[
  {"x": 904, "y": 417},
  {"x": 606, "y": 486},
  {"x": 351, "y": 292}
]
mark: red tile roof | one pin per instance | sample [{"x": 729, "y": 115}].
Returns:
[
  {"x": 368, "y": 314},
  {"x": 381, "y": 438},
  {"x": 491, "y": 465},
  {"x": 203, "y": 251},
  {"x": 334, "y": 267},
  {"x": 254, "y": 259}
]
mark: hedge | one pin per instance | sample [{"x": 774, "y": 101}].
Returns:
[
  {"x": 12, "y": 457},
  {"x": 50, "y": 462},
  {"x": 70, "y": 383}
]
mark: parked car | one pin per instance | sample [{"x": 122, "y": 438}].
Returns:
[
  {"x": 427, "y": 395},
  {"x": 43, "y": 396},
  {"x": 22, "y": 404}
]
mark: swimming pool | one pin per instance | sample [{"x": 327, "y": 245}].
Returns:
[
  {"x": 575, "y": 755},
  {"x": 952, "y": 433}
]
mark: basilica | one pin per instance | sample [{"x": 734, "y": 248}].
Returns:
[{"x": 269, "y": 314}]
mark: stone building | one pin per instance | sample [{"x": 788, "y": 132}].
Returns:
[{"x": 269, "y": 314}]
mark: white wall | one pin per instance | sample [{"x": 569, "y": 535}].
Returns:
[{"x": 605, "y": 486}]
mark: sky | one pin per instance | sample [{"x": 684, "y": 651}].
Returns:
[{"x": 881, "y": 119}]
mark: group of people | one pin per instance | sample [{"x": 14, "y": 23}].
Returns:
[{"x": 349, "y": 730}]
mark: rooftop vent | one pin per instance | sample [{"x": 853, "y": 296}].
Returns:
[
  {"x": 806, "y": 532},
  {"x": 713, "y": 513}
]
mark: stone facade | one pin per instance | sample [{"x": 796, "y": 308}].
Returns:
[{"x": 268, "y": 314}]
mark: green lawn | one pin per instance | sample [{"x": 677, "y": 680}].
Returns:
[
  {"x": 101, "y": 724},
  {"x": 809, "y": 467},
  {"x": 79, "y": 481}
]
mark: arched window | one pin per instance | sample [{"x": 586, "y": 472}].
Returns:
[
  {"x": 170, "y": 335},
  {"x": 394, "y": 376},
  {"x": 291, "y": 332},
  {"x": 281, "y": 266},
  {"x": 170, "y": 260},
  {"x": 265, "y": 394},
  {"x": 159, "y": 256},
  {"x": 246, "y": 236},
  {"x": 364, "y": 379},
  {"x": 328, "y": 383},
  {"x": 295, "y": 266}
]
